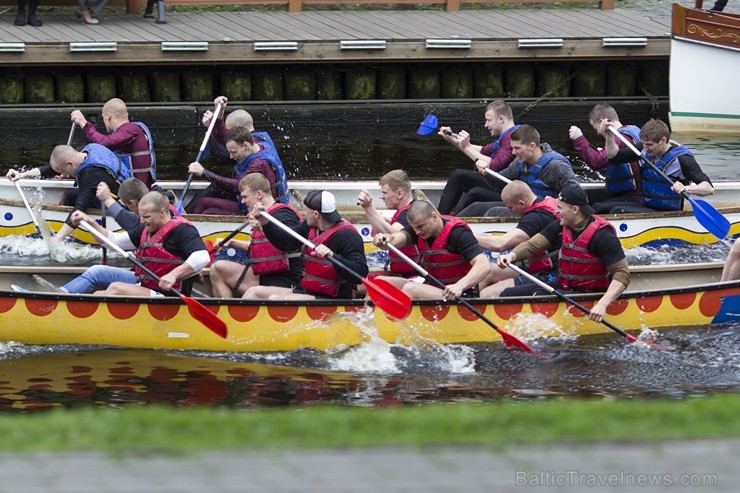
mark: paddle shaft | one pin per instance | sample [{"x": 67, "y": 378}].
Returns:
[
  {"x": 311, "y": 245},
  {"x": 103, "y": 221},
  {"x": 28, "y": 206},
  {"x": 71, "y": 134},
  {"x": 508, "y": 338},
  {"x": 497, "y": 175},
  {"x": 234, "y": 233},
  {"x": 200, "y": 153},
  {"x": 568, "y": 299}
]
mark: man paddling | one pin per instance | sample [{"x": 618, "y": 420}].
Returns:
[
  {"x": 171, "y": 247},
  {"x": 591, "y": 256},
  {"x": 267, "y": 265},
  {"x": 131, "y": 141},
  {"x": 89, "y": 166},
  {"x": 673, "y": 159},
  {"x": 332, "y": 236},
  {"x": 448, "y": 249}
]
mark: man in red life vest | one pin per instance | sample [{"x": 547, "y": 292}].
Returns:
[
  {"x": 395, "y": 192},
  {"x": 267, "y": 265},
  {"x": 333, "y": 236},
  {"x": 448, "y": 249},
  {"x": 169, "y": 246},
  {"x": 591, "y": 256},
  {"x": 536, "y": 213}
]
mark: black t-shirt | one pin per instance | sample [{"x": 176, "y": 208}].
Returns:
[
  {"x": 604, "y": 244},
  {"x": 461, "y": 241},
  {"x": 536, "y": 220}
]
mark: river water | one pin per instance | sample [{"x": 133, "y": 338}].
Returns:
[{"x": 361, "y": 141}]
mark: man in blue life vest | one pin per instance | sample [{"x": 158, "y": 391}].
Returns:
[
  {"x": 266, "y": 265},
  {"x": 477, "y": 185},
  {"x": 535, "y": 213},
  {"x": 674, "y": 159},
  {"x": 591, "y": 258},
  {"x": 131, "y": 141},
  {"x": 395, "y": 192},
  {"x": 222, "y": 195},
  {"x": 171, "y": 247},
  {"x": 622, "y": 178},
  {"x": 239, "y": 117},
  {"x": 448, "y": 250},
  {"x": 89, "y": 166},
  {"x": 332, "y": 236}
]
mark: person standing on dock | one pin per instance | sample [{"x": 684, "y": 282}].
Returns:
[
  {"x": 448, "y": 249},
  {"x": 536, "y": 214},
  {"x": 622, "y": 178},
  {"x": 267, "y": 265},
  {"x": 222, "y": 195},
  {"x": 131, "y": 141},
  {"x": 171, "y": 247},
  {"x": 395, "y": 192},
  {"x": 479, "y": 185},
  {"x": 89, "y": 166},
  {"x": 674, "y": 159},
  {"x": 332, "y": 236},
  {"x": 590, "y": 254},
  {"x": 20, "y": 16},
  {"x": 89, "y": 10}
]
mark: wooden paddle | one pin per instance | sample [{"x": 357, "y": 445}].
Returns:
[
  {"x": 509, "y": 339},
  {"x": 573, "y": 302},
  {"x": 197, "y": 309},
  {"x": 384, "y": 295},
  {"x": 197, "y": 158},
  {"x": 704, "y": 212}
]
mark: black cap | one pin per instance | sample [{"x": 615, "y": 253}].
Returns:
[
  {"x": 323, "y": 202},
  {"x": 575, "y": 195}
]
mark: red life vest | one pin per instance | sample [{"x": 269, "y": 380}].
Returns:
[
  {"x": 542, "y": 261},
  {"x": 152, "y": 254},
  {"x": 266, "y": 257},
  {"x": 437, "y": 260},
  {"x": 319, "y": 275},
  {"x": 579, "y": 269},
  {"x": 395, "y": 263}
]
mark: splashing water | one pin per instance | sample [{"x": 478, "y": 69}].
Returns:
[{"x": 19, "y": 247}]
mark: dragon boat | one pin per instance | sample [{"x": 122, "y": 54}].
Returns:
[{"x": 659, "y": 297}]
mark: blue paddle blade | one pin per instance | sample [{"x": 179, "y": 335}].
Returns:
[
  {"x": 428, "y": 126},
  {"x": 709, "y": 217}
]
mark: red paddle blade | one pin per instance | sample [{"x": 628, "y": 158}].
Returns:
[
  {"x": 388, "y": 297},
  {"x": 513, "y": 342},
  {"x": 211, "y": 249},
  {"x": 205, "y": 316}
]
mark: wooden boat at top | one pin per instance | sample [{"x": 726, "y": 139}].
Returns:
[
  {"x": 705, "y": 56},
  {"x": 648, "y": 230},
  {"x": 654, "y": 300}
]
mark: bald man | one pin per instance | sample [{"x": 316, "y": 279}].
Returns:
[{"x": 131, "y": 141}]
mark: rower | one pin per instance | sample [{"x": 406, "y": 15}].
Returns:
[
  {"x": 591, "y": 256},
  {"x": 131, "y": 141},
  {"x": 448, "y": 250}
]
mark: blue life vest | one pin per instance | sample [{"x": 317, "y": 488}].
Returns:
[
  {"x": 102, "y": 157},
  {"x": 269, "y": 154},
  {"x": 619, "y": 176},
  {"x": 497, "y": 142},
  {"x": 126, "y": 157},
  {"x": 531, "y": 175},
  {"x": 656, "y": 191}
]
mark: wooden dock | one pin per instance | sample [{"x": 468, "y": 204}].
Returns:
[{"x": 332, "y": 36}]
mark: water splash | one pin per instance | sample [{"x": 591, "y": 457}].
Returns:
[{"x": 17, "y": 248}]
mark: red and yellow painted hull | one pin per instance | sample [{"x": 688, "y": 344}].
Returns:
[{"x": 36, "y": 318}]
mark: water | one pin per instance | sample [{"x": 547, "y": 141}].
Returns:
[{"x": 703, "y": 361}]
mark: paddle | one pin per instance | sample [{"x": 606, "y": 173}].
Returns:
[
  {"x": 704, "y": 212},
  {"x": 197, "y": 158},
  {"x": 497, "y": 175},
  {"x": 509, "y": 339},
  {"x": 197, "y": 309},
  {"x": 384, "y": 295},
  {"x": 573, "y": 302},
  {"x": 28, "y": 207},
  {"x": 71, "y": 133},
  {"x": 212, "y": 249},
  {"x": 103, "y": 217},
  {"x": 430, "y": 124}
]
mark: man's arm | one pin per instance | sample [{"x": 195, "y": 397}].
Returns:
[
  {"x": 701, "y": 185},
  {"x": 349, "y": 249},
  {"x": 480, "y": 267},
  {"x": 378, "y": 223},
  {"x": 120, "y": 139},
  {"x": 615, "y": 289},
  {"x": 503, "y": 242}
]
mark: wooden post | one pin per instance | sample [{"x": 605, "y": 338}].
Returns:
[
  {"x": 606, "y": 4},
  {"x": 454, "y": 5},
  {"x": 134, "y": 6},
  {"x": 295, "y": 5}
]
